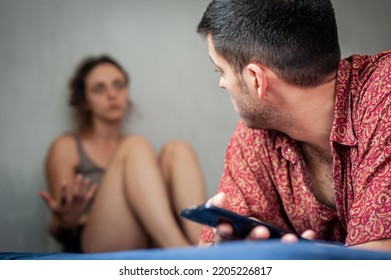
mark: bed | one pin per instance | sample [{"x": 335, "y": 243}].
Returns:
[{"x": 238, "y": 250}]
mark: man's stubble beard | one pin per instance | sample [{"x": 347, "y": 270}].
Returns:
[{"x": 256, "y": 114}]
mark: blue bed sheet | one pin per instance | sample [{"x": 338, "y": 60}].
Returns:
[{"x": 238, "y": 250}]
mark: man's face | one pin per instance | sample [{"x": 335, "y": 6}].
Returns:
[
  {"x": 243, "y": 101},
  {"x": 253, "y": 110}
]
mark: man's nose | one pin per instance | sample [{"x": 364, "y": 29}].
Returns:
[{"x": 221, "y": 83}]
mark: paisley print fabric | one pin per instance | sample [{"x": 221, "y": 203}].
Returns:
[{"x": 265, "y": 174}]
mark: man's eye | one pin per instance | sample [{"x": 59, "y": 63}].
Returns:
[{"x": 221, "y": 73}]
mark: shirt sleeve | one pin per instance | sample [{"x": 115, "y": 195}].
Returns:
[
  {"x": 247, "y": 178},
  {"x": 230, "y": 181}
]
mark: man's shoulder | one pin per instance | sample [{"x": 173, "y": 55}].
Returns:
[
  {"x": 378, "y": 64},
  {"x": 381, "y": 57},
  {"x": 364, "y": 65},
  {"x": 375, "y": 80},
  {"x": 363, "y": 93},
  {"x": 366, "y": 77},
  {"x": 382, "y": 68}
]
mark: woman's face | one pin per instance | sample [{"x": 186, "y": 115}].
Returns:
[{"x": 106, "y": 93}]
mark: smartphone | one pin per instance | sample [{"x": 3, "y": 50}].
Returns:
[{"x": 210, "y": 215}]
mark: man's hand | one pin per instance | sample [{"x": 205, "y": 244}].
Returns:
[{"x": 224, "y": 231}]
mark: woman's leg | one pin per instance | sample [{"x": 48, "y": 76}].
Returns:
[
  {"x": 132, "y": 205},
  {"x": 182, "y": 174}
]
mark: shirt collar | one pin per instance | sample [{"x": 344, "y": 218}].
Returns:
[{"x": 288, "y": 147}]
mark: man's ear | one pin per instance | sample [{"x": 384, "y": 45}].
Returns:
[{"x": 258, "y": 79}]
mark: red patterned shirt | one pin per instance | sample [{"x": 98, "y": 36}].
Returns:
[{"x": 265, "y": 174}]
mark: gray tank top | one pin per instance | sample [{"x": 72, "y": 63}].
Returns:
[{"x": 87, "y": 167}]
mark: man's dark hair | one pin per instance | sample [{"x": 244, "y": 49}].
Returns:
[{"x": 297, "y": 39}]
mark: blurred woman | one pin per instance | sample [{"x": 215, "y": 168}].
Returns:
[{"x": 109, "y": 191}]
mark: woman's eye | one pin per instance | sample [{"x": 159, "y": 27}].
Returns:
[
  {"x": 98, "y": 89},
  {"x": 119, "y": 85}
]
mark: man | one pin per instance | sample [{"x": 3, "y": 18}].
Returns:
[{"x": 312, "y": 153}]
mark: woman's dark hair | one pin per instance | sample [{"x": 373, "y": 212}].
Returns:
[
  {"x": 77, "y": 86},
  {"x": 297, "y": 39}
]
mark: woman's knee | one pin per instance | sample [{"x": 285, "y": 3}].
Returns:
[
  {"x": 177, "y": 149},
  {"x": 134, "y": 143}
]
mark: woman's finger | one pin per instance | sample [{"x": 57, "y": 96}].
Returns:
[
  {"x": 91, "y": 192},
  {"x": 49, "y": 200},
  {"x": 84, "y": 186},
  {"x": 76, "y": 183},
  {"x": 64, "y": 196}
]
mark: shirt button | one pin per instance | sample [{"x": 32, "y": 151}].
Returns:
[{"x": 304, "y": 188}]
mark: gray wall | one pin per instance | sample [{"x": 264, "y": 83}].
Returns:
[{"x": 173, "y": 86}]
